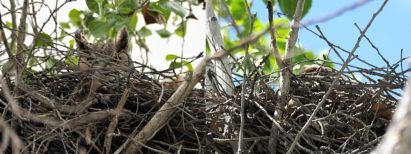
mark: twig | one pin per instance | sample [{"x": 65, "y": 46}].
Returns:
[
  {"x": 337, "y": 13},
  {"x": 349, "y": 58},
  {"x": 113, "y": 124},
  {"x": 285, "y": 77},
  {"x": 243, "y": 86},
  {"x": 8, "y": 133},
  {"x": 164, "y": 114}
]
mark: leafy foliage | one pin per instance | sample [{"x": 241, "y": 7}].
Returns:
[{"x": 237, "y": 12}]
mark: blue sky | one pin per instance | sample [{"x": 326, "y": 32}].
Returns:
[{"x": 390, "y": 31}]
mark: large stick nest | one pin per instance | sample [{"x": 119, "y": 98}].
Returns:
[{"x": 56, "y": 114}]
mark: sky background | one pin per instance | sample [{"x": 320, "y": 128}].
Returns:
[{"x": 390, "y": 32}]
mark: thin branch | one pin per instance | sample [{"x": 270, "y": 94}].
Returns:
[
  {"x": 285, "y": 77},
  {"x": 349, "y": 58},
  {"x": 113, "y": 124},
  {"x": 337, "y": 13}
]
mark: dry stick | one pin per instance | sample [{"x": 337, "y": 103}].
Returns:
[
  {"x": 20, "y": 45},
  {"x": 397, "y": 139},
  {"x": 337, "y": 13},
  {"x": 164, "y": 114},
  {"x": 272, "y": 142},
  {"x": 285, "y": 76},
  {"x": 114, "y": 121},
  {"x": 221, "y": 67},
  {"x": 13, "y": 23},
  {"x": 243, "y": 86},
  {"x": 349, "y": 58},
  {"x": 8, "y": 133},
  {"x": 23, "y": 114}
]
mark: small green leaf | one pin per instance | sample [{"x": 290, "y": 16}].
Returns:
[
  {"x": 174, "y": 65},
  {"x": 188, "y": 65},
  {"x": 74, "y": 15},
  {"x": 127, "y": 6},
  {"x": 33, "y": 61},
  {"x": 133, "y": 21},
  {"x": 288, "y": 7},
  {"x": 238, "y": 10},
  {"x": 171, "y": 57},
  {"x": 65, "y": 25},
  {"x": 50, "y": 63},
  {"x": 9, "y": 24},
  {"x": 208, "y": 50},
  {"x": 71, "y": 60},
  {"x": 71, "y": 43},
  {"x": 310, "y": 55},
  {"x": 181, "y": 30},
  {"x": 44, "y": 40},
  {"x": 174, "y": 7},
  {"x": 163, "y": 33},
  {"x": 144, "y": 32},
  {"x": 93, "y": 5},
  {"x": 282, "y": 28}
]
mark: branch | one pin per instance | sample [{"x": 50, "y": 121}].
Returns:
[
  {"x": 165, "y": 113},
  {"x": 215, "y": 39},
  {"x": 345, "y": 65},
  {"x": 285, "y": 76},
  {"x": 20, "y": 42}
]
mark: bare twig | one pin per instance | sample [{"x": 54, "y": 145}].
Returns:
[
  {"x": 285, "y": 76},
  {"x": 349, "y": 58},
  {"x": 166, "y": 112},
  {"x": 8, "y": 133},
  {"x": 113, "y": 124},
  {"x": 337, "y": 13}
]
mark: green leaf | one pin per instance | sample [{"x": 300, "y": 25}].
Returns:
[
  {"x": 163, "y": 33},
  {"x": 181, "y": 30},
  {"x": 44, "y": 40},
  {"x": 9, "y": 24},
  {"x": 126, "y": 6},
  {"x": 237, "y": 10},
  {"x": 93, "y": 5},
  {"x": 71, "y": 43},
  {"x": 65, "y": 25},
  {"x": 208, "y": 50},
  {"x": 71, "y": 60},
  {"x": 188, "y": 65},
  {"x": 288, "y": 7},
  {"x": 281, "y": 42},
  {"x": 144, "y": 32},
  {"x": 133, "y": 21},
  {"x": 174, "y": 7},
  {"x": 310, "y": 55},
  {"x": 171, "y": 57},
  {"x": 163, "y": 11},
  {"x": 99, "y": 28},
  {"x": 282, "y": 28},
  {"x": 74, "y": 15},
  {"x": 33, "y": 61},
  {"x": 174, "y": 65},
  {"x": 50, "y": 63}
]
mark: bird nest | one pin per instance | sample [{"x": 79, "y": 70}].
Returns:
[{"x": 57, "y": 114}]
